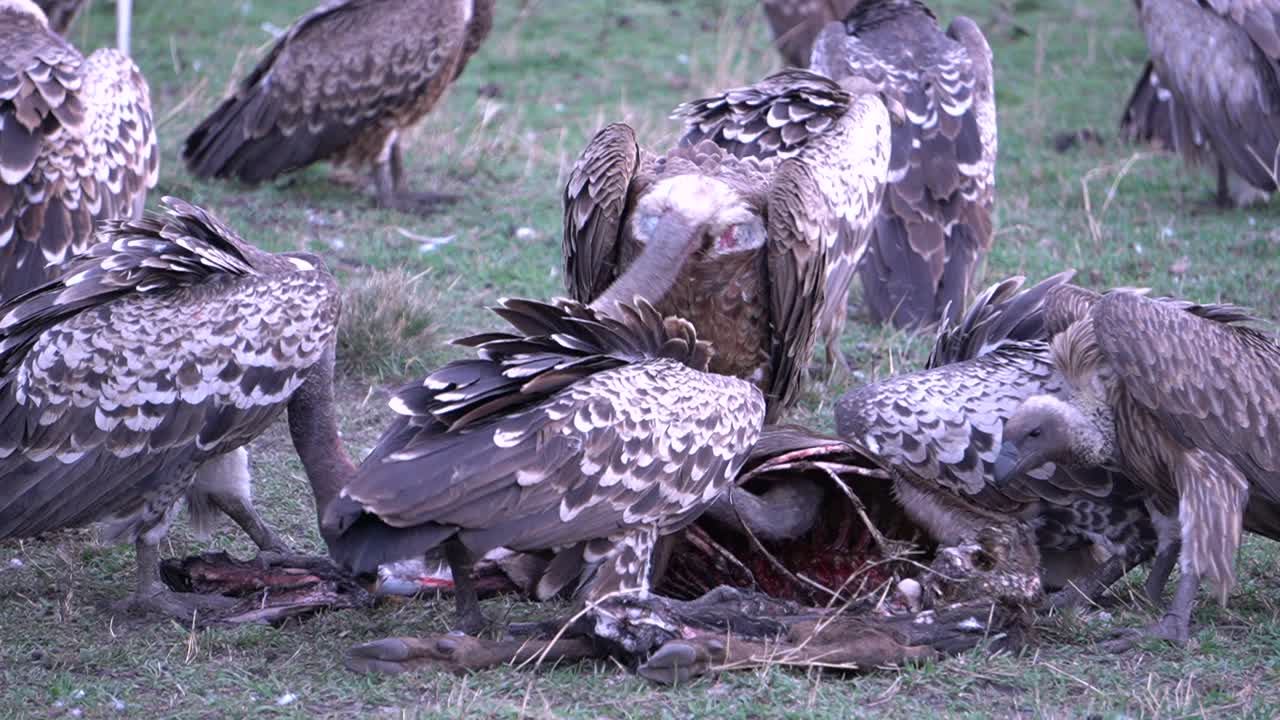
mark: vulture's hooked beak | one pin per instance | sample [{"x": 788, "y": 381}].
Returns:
[{"x": 1011, "y": 462}]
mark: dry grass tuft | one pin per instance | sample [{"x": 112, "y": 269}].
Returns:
[{"x": 388, "y": 324}]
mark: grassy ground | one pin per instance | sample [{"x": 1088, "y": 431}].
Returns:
[{"x": 550, "y": 74}]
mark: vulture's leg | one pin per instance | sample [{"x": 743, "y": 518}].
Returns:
[
  {"x": 1223, "y": 197},
  {"x": 151, "y": 595},
  {"x": 388, "y": 177},
  {"x": 1158, "y": 576},
  {"x": 1088, "y": 589},
  {"x": 469, "y": 619},
  {"x": 834, "y": 361},
  {"x": 1175, "y": 626}
]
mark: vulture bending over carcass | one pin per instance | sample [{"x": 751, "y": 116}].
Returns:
[
  {"x": 1182, "y": 398},
  {"x": 939, "y": 430},
  {"x": 786, "y": 208},
  {"x": 137, "y": 378}
]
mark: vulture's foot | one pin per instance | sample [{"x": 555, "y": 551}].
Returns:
[
  {"x": 183, "y": 607},
  {"x": 415, "y": 203},
  {"x": 460, "y": 654},
  {"x": 1170, "y": 629}
]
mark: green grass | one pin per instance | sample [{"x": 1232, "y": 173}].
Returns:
[{"x": 560, "y": 70}]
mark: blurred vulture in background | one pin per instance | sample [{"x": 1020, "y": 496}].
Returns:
[
  {"x": 344, "y": 83},
  {"x": 62, "y": 13},
  {"x": 803, "y": 194},
  {"x": 939, "y": 429},
  {"x": 78, "y": 141},
  {"x": 795, "y": 24},
  {"x": 138, "y": 377},
  {"x": 1183, "y": 398},
  {"x": 934, "y": 227},
  {"x": 1211, "y": 91}
]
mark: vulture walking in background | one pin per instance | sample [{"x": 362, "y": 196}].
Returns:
[
  {"x": 1211, "y": 91},
  {"x": 1184, "y": 399},
  {"x": 939, "y": 430},
  {"x": 786, "y": 204},
  {"x": 343, "y": 83},
  {"x": 591, "y": 430},
  {"x": 78, "y": 141},
  {"x": 795, "y": 24},
  {"x": 935, "y": 224},
  {"x": 138, "y": 377}
]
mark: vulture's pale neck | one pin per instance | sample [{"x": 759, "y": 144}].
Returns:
[
  {"x": 1092, "y": 434},
  {"x": 316, "y": 438},
  {"x": 651, "y": 275}
]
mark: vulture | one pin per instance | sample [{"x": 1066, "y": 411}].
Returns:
[
  {"x": 78, "y": 140},
  {"x": 934, "y": 227},
  {"x": 343, "y": 84},
  {"x": 591, "y": 430},
  {"x": 939, "y": 430},
  {"x": 1184, "y": 399},
  {"x": 795, "y": 24},
  {"x": 138, "y": 376},
  {"x": 1211, "y": 90},
  {"x": 793, "y": 199}
]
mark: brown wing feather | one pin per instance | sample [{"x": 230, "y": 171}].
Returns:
[
  {"x": 61, "y": 13},
  {"x": 595, "y": 203},
  {"x": 935, "y": 224},
  {"x": 156, "y": 351},
  {"x": 338, "y": 82},
  {"x": 82, "y": 176},
  {"x": 1212, "y": 382}
]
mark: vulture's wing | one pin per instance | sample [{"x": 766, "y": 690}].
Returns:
[
  {"x": 159, "y": 348},
  {"x": 1154, "y": 115},
  {"x": 1212, "y": 381},
  {"x": 61, "y": 13},
  {"x": 99, "y": 171},
  {"x": 337, "y": 73},
  {"x": 572, "y": 428},
  {"x": 822, "y": 205},
  {"x": 596, "y": 197},
  {"x": 41, "y": 79},
  {"x": 935, "y": 225}
]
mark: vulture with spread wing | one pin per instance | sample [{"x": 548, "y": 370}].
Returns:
[
  {"x": 1211, "y": 91},
  {"x": 795, "y": 24},
  {"x": 78, "y": 141},
  {"x": 934, "y": 227},
  {"x": 344, "y": 83},
  {"x": 939, "y": 429},
  {"x": 794, "y": 168},
  {"x": 591, "y": 430},
  {"x": 1184, "y": 399},
  {"x": 138, "y": 377}
]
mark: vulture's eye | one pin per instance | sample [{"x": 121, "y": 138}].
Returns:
[{"x": 1034, "y": 433}]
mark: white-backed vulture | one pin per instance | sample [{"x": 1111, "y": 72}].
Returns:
[
  {"x": 1183, "y": 399},
  {"x": 138, "y": 376},
  {"x": 793, "y": 209},
  {"x": 795, "y": 24},
  {"x": 1211, "y": 91},
  {"x": 589, "y": 430},
  {"x": 343, "y": 83},
  {"x": 935, "y": 225},
  {"x": 939, "y": 430},
  {"x": 77, "y": 145}
]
